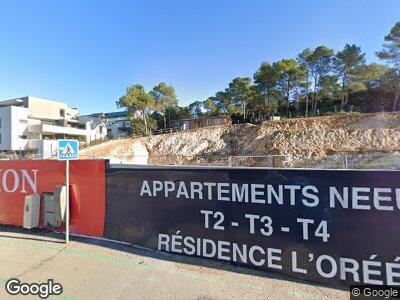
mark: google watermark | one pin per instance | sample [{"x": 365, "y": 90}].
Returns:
[
  {"x": 374, "y": 292},
  {"x": 43, "y": 290}
]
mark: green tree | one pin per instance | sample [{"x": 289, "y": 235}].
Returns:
[
  {"x": 329, "y": 87},
  {"x": 320, "y": 65},
  {"x": 391, "y": 54},
  {"x": 369, "y": 76},
  {"x": 137, "y": 102},
  {"x": 266, "y": 80},
  {"x": 291, "y": 76},
  {"x": 220, "y": 103},
  {"x": 139, "y": 126},
  {"x": 211, "y": 108},
  {"x": 240, "y": 93},
  {"x": 347, "y": 63},
  {"x": 196, "y": 108},
  {"x": 179, "y": 112},
  {"x": 304, "y": 59},
  {"x": 164, "y": 99}
]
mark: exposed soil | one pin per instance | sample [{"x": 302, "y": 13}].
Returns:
[{"x": 303, "y": 143}]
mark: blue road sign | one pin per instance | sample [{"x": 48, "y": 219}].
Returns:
[{"x": 68, "y": 149}]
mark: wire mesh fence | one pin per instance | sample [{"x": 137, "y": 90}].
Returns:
[
  {"x": 188, "y": 160},
  {"x": 369, "y": 160},
  {"x": 272, "y": 161},
  {"x": 372, "y": 160}
]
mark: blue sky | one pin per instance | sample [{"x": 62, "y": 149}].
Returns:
[{"x": 87, "y": 52}]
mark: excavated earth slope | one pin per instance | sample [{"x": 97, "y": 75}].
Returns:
[{"x": 320, "y": 142}]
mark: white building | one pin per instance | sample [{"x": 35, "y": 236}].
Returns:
[
  {"x": 118, "y": 124},
  {"x": 35, "y": 124},
  {"x": 96, "y": 128}
]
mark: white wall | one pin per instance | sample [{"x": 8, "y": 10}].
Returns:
[
  {"x": 46, "y": 109},
  {"x": 19, "y": 127},
  {"x": 46, "y": 148},
  {"x": 97, "y": 133},
  {"x": 5, "y": 128},
  {"x": 14, "y": 124}
]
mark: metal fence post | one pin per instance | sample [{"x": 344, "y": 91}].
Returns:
[
  {"x": 67, "y": 201},
  {"x": 346, "y": 166}
]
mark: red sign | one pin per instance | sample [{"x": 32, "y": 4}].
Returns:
[{"x": 19, "y": 178}]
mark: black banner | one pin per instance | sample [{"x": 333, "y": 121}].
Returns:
[{"x": 333, "y": 227}]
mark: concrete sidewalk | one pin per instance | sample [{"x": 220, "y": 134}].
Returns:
[{"x": 89, "y": 269}]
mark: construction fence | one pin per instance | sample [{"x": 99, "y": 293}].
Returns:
[
  {"x": 389, "y": 161},
  {"x": 265, "y": 219}
]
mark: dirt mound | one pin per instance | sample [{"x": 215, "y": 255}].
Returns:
[{"x": 304, "y": 140}]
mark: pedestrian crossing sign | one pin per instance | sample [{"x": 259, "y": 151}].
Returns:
[{"x": 68, "y": 149}]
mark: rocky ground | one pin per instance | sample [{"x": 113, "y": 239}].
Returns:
[{"x": 368, "y": 141}]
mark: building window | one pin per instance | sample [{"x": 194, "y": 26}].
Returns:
[
  {"x": 0, "y": 122},
  {"x": 62, "y": 113},
  {"x": 23, "y": 121}
]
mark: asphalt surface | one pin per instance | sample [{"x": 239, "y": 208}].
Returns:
[{"x": 92, "y": 269}]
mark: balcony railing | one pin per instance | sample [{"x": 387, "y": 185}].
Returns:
[{"x": 53, "y": 129}]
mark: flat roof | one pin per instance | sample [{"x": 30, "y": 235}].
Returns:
[
  {"x": 115, "y": 114},
  {"x": 17, "y": 102}
]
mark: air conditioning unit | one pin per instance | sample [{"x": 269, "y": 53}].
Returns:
[
  {"x": 60, "y": 198},
  {"x": 31, "y": 211},
  {"x": 54, "y": 207},
  {"x": 49, "y": 207}
]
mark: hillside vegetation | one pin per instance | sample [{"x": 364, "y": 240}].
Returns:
[{"x": 317, "y": 82}]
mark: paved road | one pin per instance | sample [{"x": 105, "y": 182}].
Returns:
[{"x": 90, "y": 269}]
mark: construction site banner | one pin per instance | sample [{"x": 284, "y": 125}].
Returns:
[
  {"x": 21, "y": 178},
  {"x": 333, "y": 227}
]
